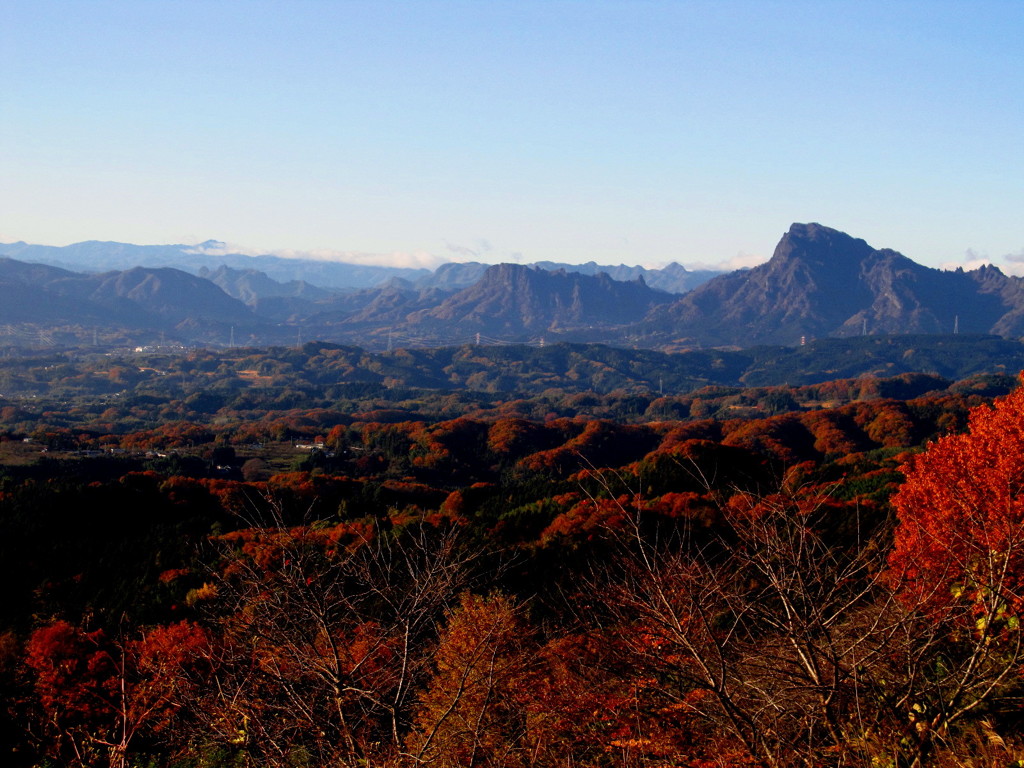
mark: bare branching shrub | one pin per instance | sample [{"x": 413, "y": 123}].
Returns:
[{"x": 325, "y": 633}]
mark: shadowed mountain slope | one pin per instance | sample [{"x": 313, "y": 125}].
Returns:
[
  {"x": 139, "y": 296},
  {"x": 512, "y": 299},
  {"x": 822, "y": 282}
]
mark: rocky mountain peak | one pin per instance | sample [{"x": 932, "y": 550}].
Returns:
[
  {"x": 823, "y": 282},
  {"x": 819, "y": 245}
]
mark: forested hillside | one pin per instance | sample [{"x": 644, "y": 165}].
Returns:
[
  {"x": 257, "y": 558},
  {"x": 495, "y": 372}
]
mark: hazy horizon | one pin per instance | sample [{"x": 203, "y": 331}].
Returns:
[{"x": 421, "y": 260}]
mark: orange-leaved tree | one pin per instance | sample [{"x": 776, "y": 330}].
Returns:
[
  {"x": 473, "y": 711},
  {"x": 958, "y": 561},
  {"x": 323, "y": 635}
]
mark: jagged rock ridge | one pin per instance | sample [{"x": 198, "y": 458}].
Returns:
[
  {"x": 822, "y": 282},
  {"x": 516, "y": 299}
]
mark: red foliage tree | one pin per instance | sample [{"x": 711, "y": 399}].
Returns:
[
  {"x": 958, "y": 560},
  {"x": 97, "y": 695},
  {"x": 834, "y": 433},
  {"x": 961, "y": 510},
  {"x": 782, "y": 437}
]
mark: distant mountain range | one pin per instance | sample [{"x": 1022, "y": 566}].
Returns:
[
  {"x": 210, "y": 256},
  {"x": 152, "y": 299},
  {"x": 819, "y": 283},
  {"x": 673, "y": 278},
  {"x": 96, "y": 256}
]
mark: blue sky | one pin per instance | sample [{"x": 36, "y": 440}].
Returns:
[{"x": 636, "y": 132}]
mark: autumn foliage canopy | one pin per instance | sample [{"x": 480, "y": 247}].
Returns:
[{"x": 961, "y": 511}]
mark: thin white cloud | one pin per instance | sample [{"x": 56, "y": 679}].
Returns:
[
  {"x": 412, "y": 260},
  {"x": 1010, "y": 264},
  {"x": 971, "y": 260},
  {"x": 216, "y": 248},
  {"x": 480, "y": 250},
  {"x": 740, "y": 261},
  {"x": 1013, "y": 266},
  {"x": 461, "y": 252},
  {"x": 409, "y": 259},
  {"x": 967, "y": 265}
]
